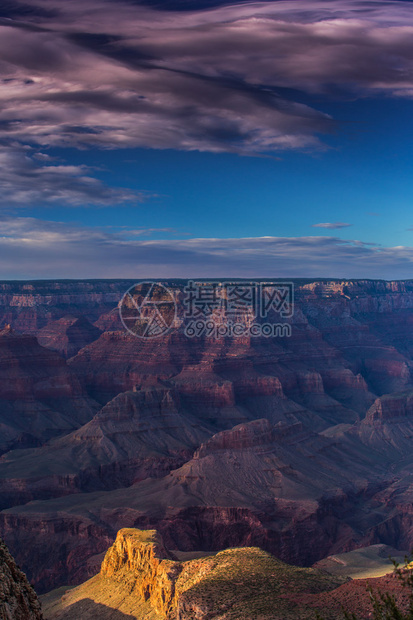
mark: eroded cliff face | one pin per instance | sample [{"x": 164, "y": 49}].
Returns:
[
  {"x": 387, "y": 427},
  {"x": 141, "y": 556},
  {"x": 141, "y": 579},
  {"x": 137, "y": 435},
  {"x": 40, "y": 397},
  {"x": 18, "y": 600},
  {"x": 30, "y": 306},
  {"x": 68, "y": 335},
  {"x": 390, "y": 407}
]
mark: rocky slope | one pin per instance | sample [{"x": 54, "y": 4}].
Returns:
[
  {"x": 40, "y": 397},
  {"x": 140, "y": 579},
  {"x": 354, "y": 597},
  {"x": 68, "y": 335},
  {"x": 365, "y": 562},
  {"x": 18, "y": 601},
  {"x": 137, "y": 435},
  {"x": 282, "y": 487}
]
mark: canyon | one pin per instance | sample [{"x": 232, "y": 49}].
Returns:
[{"x": 299, "y": 446}]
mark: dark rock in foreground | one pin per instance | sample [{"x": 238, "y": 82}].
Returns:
[{"x": 18, "y": 600}]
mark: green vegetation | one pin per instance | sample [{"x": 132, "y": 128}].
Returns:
[{"x": 249, "y": 583}]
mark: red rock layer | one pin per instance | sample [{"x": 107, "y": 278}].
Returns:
[{"x": 68, "y": 335}]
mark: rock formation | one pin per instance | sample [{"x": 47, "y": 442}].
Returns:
[
  {"x": 68, "y": 335},
  {"x": 18, "y": 600},
  {"x": 30, "y": 306},
  {"x": 140, "y": 579},
  {"x": 256, "y": 484},
  {"x": 40, "y": 397},
  {"x": 137, "y": 435}
]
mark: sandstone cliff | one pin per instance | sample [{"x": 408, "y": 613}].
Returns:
[
  {"x": 18, "y": 600},
  {"x": 140, "y": 579}
]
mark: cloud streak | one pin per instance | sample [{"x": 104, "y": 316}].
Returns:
[
  {"x": 331, "y": 225},
  {"x": 31, "y": 178},
  {"x": 31, "y": 248}
]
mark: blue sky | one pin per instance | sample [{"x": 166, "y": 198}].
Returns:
[
  {"x": 253, "y": 139},
  {"x": 365, "y": 179}
]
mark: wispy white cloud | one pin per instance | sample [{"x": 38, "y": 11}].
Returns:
[
  {"x": 31, "y": 248},
  {"x": 331, "y": 225}
]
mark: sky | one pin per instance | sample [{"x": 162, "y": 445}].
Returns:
[{"x": 202, "y": 138}]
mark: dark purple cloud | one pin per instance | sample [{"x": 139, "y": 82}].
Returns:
[
  {"x": 124, "y": 74},
  {"x": 31, "y": 178},
  {"x": 106, "y": 74}
]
